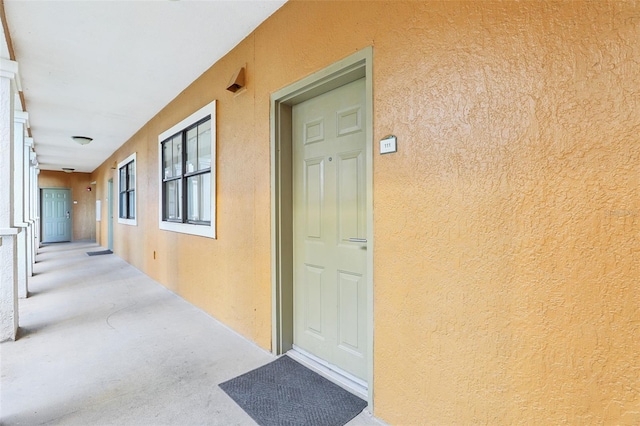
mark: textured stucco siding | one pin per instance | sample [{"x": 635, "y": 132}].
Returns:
[
  {"x": 507, "y": 225},
  {"x": 82, "y": 203}
]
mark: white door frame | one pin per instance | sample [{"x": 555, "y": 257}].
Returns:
[
  {"x": 350, "y": 69},
  {"x": 110, "y": 214}
]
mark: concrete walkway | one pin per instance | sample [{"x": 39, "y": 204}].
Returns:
[{"x": 100, "y": 343}]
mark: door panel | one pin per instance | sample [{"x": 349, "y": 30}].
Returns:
[
  {"x": 313, "y": 183},
  {"x": 349, "y": 285},
  {"x": 313, "y": 305},
  {"x": 110, "y": 209},
  {"x": 56, "y": 215},
  {"x": 351, "y": 196},
  {"x": 330, "y": 292}
]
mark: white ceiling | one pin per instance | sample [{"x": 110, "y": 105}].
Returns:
[{"x": 103, "y": 68}]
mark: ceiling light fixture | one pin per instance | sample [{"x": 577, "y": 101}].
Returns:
[
  {"x": 67, "y": 169},
  {"x": 82, "y": 140}
]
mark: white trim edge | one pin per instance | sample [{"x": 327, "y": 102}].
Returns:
[
  {"x": 134, "y": 221},
  {"x": 185, "y": 228}
]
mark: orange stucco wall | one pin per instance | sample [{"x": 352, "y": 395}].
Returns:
[
  {"x": 83, "y": 201},
  {"x": 506, "y": 226}
]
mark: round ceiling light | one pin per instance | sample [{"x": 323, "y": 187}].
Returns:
[{"x": 82, "y": 140}]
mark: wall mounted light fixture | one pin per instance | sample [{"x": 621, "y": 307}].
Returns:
[
  {"x": 237, "y": 81},
  {"x": 67, "y": 169},
  {"x": 82, "y": 140}
]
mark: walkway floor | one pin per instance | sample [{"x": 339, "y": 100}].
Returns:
[{"x": 100, "y": 343}]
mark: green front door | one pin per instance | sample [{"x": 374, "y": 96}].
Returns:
[
  {"x": 56, "y": 215},
  {"x": 329, "y": 203}
]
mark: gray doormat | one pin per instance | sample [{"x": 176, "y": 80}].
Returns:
[
  {"x": 284, "y": 393},
  {"x": 97, "y": 253}
]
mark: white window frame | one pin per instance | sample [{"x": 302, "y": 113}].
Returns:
[
  {"x": 129, "y": 159},
  {"x": 208, "y": 231}
]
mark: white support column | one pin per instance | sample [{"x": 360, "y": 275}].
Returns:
[
  {"x": 28, "y": 142},
  {"x": 8, "y": 285},
  {"x": 30, "y": 205},
  {"x": 8, "y": 233},
  {"x": 21, "y": 261},
  {"x": 36, "y": 207},
  {"x": 20, "y": 121}
]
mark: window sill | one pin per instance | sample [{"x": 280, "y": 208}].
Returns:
[{"x": 184, "y": 228}]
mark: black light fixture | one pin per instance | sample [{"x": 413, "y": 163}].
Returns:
[{"x": 82, "y": 140}]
